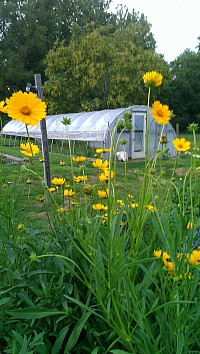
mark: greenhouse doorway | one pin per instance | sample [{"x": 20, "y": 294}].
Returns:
[{"x": 138, "y": 135}]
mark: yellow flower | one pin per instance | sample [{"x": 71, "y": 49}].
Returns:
[
  {"x": 29, "y": 149},
  {"x": 134, "y": 205},
  {"x": 68, "y": 193},
  {"x": 80, "y": 179},
  {"x": 40, "y": 198},
  {"x": 62, "y": 162},
  {"x": 63, "y": 210},
  {"x": 79, "y": 159},
  {"x": 157, "y": 253},
  {"x": 20, "y": 227},
  {"x": 26, "y": 107},
  {"x": 169, "y": 265},
  {"x": 152, "y": 78},
  {"x": 99, "y": 207},
  {"x": 190, "y": 225},
  {"x": 52, "y": 189},
  {"x": 161, "y": 113},
  {"x": 181, "y": 144},
  {"x": 100, "y": 164},
  {"x": 103, "y": 194},
  {"x": 3, "y": 108},
  {"x": 58, "y": 181},
  {"x": 151, "y": 208},
  {"x": 194, "y": 257},
  {"x": 42, "y": 159},
  {"x": 104, "y": 176},
  {"x": 120, "y": 201},
  {"x": 165, "y": 256},
  {"x": 102, "y": 151}
]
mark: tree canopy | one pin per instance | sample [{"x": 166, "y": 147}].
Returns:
[
  {"x": 29, "y": 28},
  {"x": 185, "y": 88},
  {"x": 102, "y": 69}
]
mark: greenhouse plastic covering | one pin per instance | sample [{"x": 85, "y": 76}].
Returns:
[{"x": 84, "y": 126}]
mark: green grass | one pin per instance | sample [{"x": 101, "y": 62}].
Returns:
[{"x": 33, "y": 208}]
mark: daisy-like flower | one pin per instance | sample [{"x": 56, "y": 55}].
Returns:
[
  {"x": 134, "y": 205},
  {"x": 152, "y": 79},
  {"x": 99, "y": 207},
  {"x": 3, "y": 108},
  {"x": 120, "y": 202},
  {"x": 194, "y": 257},
  {"x": 104, "y": 176},
  {"x": 102, "y": 150},
  {"x": 29, "y": 149},
  {"x": 165, "y": 256},
  {"x": 151, "y": 208},
  {"x": 58, "y": 181},
  {"x": 157, "y": 253},
  {"x": 103, "y": 194},
  {"x": 80, "y": 179},
  {"x": 40, "y": 198},
  {"x": 169, "y": 265},
  {"x": 100, "y": 164},
  {"x": 52, "y": 189},
  {"x": 62, "y": 162},
  {"x": 181, "y": 144},
  {"x": 68, "y": 193},
  {"x": 79, "y": 159},
  {"x": 161, "y": 113},
  {"x": 26, "y": 107}
]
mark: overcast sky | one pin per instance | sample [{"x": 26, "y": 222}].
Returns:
[{"x": 175, "y": 23}]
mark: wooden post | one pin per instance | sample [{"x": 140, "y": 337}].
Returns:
[{"x": 45, "y": 152}]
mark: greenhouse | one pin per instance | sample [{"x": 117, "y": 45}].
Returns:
[{"x": 96, "y": 128}]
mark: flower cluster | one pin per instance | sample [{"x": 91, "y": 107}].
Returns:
[{"x": 192, "y": 258}]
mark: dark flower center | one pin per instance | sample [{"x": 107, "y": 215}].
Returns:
[
  {"x": 159, "y": 113},
  {"x": 25, "y": 110}
]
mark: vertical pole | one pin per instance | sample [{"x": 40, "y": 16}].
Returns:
[{"x": 45, "y": 152}]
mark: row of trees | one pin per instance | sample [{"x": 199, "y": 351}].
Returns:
[{"x": 90, "y": 58}]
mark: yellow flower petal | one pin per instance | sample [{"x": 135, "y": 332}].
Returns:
[
  {"x": 26, "y": 107},
  {"x": 161, "y": 113}
]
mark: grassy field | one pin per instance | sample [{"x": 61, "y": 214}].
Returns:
[
  {"x": 82, "y": 280},
  {"x": 128, "y": 178}
]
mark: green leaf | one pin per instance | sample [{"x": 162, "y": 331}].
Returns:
[
  {"x": 95, "y": 350},
  {"x": 118, "y": 351},
  {"x": 5, "y": 301},
  {"x": 33, "y": 313},
  {"x": 76, "y": 332},
  {"x": 59, "y": 341}
]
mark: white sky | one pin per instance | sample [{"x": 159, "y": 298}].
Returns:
[{"x": 175, "y": 23}]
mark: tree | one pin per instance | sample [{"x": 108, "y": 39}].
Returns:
[
  {"x": 102, "y": 69},
  {"x": 29, "y": 28},
  {"x": 185, "y": 88}
]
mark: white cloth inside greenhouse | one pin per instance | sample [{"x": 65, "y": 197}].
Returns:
[{"x": 84, "y": 126}]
